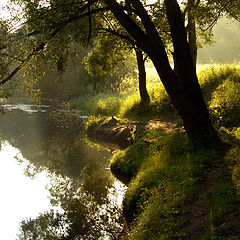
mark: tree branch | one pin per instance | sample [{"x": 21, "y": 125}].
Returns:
[
  {"x": 225, "y": 7},
  {"x": 89, "y": 24},
  {"x": 43, "y": 44},
  {"x": 120, "y": 35}
]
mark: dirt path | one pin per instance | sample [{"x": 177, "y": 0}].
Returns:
[{"x": 168, "y": 125}]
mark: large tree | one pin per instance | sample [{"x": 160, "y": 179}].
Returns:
[
  {"x": 181, "y": 84},
  {"x": 183, "y": 87}
]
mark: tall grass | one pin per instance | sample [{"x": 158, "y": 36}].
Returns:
[
  {"x": 100, "y": 104},
  {"x": 159, "y": 105},
  {"x": 126, "y": 104},
  {"x": 220, "y": 86},
  {"x": 164, "y": 178}
]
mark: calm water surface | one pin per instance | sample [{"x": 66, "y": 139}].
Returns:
[{"x": 54, "y": 185}]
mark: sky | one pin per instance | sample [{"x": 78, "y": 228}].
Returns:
[{"x": 4, "y": 12}]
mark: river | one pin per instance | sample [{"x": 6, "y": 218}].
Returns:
[{"x": 54, "y": 184}]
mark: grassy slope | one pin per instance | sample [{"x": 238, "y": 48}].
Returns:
[{"x": 173, "y": 192}]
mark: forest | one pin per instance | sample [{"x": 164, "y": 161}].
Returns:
[{"x": 156, "y": 83}]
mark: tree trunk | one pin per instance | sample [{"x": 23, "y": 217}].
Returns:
[
  {"x": 197, "y": 121},
  {"x": 183, "y": 89},
  {"x": 191, "y": 29},
  {"x": 142, "y": 77}
]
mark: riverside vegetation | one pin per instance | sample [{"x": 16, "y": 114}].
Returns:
[{"x": 174, "y": 191}]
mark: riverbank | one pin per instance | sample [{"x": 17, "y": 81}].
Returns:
[{"x": 175, "y": 192}]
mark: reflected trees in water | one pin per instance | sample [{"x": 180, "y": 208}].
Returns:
[{"x": 80, "y": 215}]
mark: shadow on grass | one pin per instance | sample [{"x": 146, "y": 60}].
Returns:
[{"x": 149, "y": 110}]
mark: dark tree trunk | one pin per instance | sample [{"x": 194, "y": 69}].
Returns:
[
  {"x": 192, "y": 38},
  {"x": 142, "y": 76},
  {"x": 183, "y": 89},
  {"x": 197, "y": 121}
]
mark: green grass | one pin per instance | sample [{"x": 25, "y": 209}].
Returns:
[
  {"x": 125, "y": 164},
  {"x": 163, "y": 174},
  {"x": 101, "y": 104},
  {"x": 127, "y": 105},
  {"x": 164, "y": 183},
  {"x": 225, "y": 103},
  {"x": 164, "y": 178},
  {"x": 159, "y": 105},
  {"x": 220, "y": 86}
]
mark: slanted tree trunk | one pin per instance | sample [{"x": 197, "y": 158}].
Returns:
[
  {"x": 142, "y": 76},
  {"x": 183, "y": 89}
]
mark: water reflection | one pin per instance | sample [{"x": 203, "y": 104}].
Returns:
[
  {"x": 82, "y": 217},
  {"x": 85, "y": 195}
]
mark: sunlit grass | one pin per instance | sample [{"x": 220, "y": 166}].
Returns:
[
  {"x": 164, "y": 177},
  {"x": 219, "y": 83},
  {"x": 164, "y": 180},
  {"x": 100, "y": 104},
  {"x": 221, "y": 88}
]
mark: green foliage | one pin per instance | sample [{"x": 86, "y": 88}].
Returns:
[
  {"x": 224, "y": 198},
  {"x": 94, "y": 122},
  {"x": 213, "y": 75},
  {"x": 127, "y": 104},
  {"x": 233, "y": 157},
  {"x": 223, "y": 201},
  {"x": 109, "y": 56},
  {"x": 155, "y": 194},
  {"x": 220, "y": 85},
  {"x": 107, "y": 105}
]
